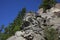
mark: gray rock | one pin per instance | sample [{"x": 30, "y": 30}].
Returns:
[{"x": 33, "y": 26}]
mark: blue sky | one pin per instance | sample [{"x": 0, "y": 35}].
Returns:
[{"x": 9, "y": 8}]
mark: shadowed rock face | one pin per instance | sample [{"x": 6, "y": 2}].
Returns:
[
  {"x": 25, "y": 24},
  {"x": 33, "y": 26},
  {"x": 57, "y": 14},
  {"x": 57, "y": 5}
]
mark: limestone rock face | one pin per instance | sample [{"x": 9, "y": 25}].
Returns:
[
  {"x": 40, "y": 10},
  {"x": 57, "y": 5},
  {"x": 33, "y": 25},
  {"x": 17, "y": 36}
]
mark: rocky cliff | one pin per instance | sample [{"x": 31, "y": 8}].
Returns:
[{"x": 33, "y": 25}]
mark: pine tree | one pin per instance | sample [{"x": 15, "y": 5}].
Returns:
[
  {"x": 1, "y": 28},
  {"x": 47, "y": 4},
  {"x": 1, "y": 31},
  {"x": 18, "y": 21},
  {"x": 50, "y": 33},
  {"x": 14, "y": 26}
]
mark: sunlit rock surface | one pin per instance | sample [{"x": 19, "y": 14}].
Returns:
[{"x": 33, "y": 25}]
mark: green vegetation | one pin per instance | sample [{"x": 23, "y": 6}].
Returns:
[
  {"x": 12, "y": 27},
  {"x": 50, "y": 33},
  {"x": 47, "y": 4}
]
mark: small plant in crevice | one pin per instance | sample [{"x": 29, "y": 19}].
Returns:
[{"x": 50, "y": 33}]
